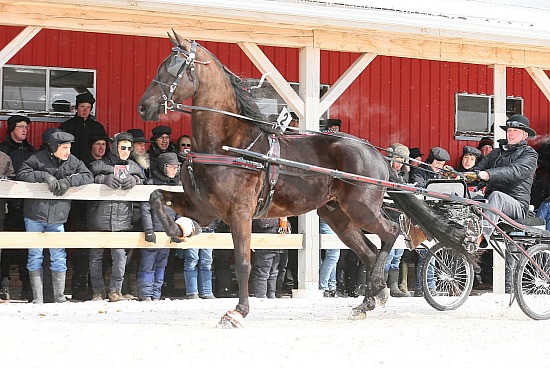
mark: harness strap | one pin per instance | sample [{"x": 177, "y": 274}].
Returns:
[{"x": 272, "y": 175}]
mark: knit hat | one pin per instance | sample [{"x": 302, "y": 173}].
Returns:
[
  {"x": 57, "y": 138},
  {"x": 519, "y": 121},
  {"x": 85, "y": 97},
  {"x": 160, "y": 130},
  {"x": 16, "y": 119},
  {"x": 138, "y": 135},
  {"x": 485, "y": 141}
]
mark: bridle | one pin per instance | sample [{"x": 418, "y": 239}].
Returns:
[{"x": 179, "y": 66}]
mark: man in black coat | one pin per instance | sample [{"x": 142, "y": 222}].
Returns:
[
  {"x": 83, "y": 126},
  {"x": 431, "y": 169}
]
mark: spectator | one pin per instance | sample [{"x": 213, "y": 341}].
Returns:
[
  {"x": 161, "y": 141},
  {"x": 485, "y": 146},
  {"x": 139, "y": 153},
  {"x": 117, "y": 172},
  {"x": 83, "y": 126},
  {"x": 398, "y": 153},
  {"x": 327, "y": 270},
  {"x": 60, "y": 170},
  {"x": 184, "y": 143},
  {"x": 416, "y": 156},
  {"x": 470, "y": 158},
  {"x": 98, "y": 147},
  {"x": 331, "y": 125},
  {"x": 18, "y": 148},
  {"x": 508, "y": 172},
  {"x": 431, "y": 169},
  {"x": 197, "y": 270},
  {"x": 152, "y": 264},
  {"x": 266, "y": 261}
]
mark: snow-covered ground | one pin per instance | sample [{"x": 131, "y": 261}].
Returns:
[{"x": 296, "y": 332}]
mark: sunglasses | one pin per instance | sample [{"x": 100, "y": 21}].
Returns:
[
  {"x": 185, "y": 144},
  {"x": 124, "y": 148}
]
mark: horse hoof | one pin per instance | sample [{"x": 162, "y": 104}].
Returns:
[
  {"x": 382, "y": 297},
  {"x": 232, "y": 319},
  {"x": 357, "y": 315}
]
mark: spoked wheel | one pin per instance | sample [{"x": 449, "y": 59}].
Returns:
[
  {"x": 531, "y": 287},
  {"x": 447, "y": 277}
]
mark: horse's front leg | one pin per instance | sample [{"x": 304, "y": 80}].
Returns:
[
  {"x": 157, "y": 200},
  {"x": 240, "y": 233}
]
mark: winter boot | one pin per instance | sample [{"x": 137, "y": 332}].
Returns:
[
  {"x": 393, "y": 278},
  {"x": 36, "y": 278},
  {"x": 403, "y": 276},
  {"x": 384, "y": 294},
  {"x": 26, "y": 290},
  {"x": 98, "y": 295},
  {"x": 5, "y": 289},
  {"x": 58, "y": 283}
]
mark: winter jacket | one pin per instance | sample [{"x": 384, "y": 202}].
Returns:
[
  {"x": 33, "y": 170},
  {"x": 6, "y": 169},
  {"x": 18, "y": 152},
  {"x": 544, "y": 212},
  {"x": 111, "y": 215},
  {"x": 421, "y": 175},
  {"x": 83, "y": 130},
  {"x": 511, "y": 170}
]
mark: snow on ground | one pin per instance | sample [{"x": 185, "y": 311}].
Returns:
[{"x": 296, "y": 332}]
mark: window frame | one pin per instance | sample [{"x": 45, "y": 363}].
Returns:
[{"x": 47, "y": 115}]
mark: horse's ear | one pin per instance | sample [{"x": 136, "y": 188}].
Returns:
[
  {"x": 178, "y": 38},
  {"x": 172, "y": 39}
]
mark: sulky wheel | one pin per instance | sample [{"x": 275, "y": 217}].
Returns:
[
  {"x": 531, "y": 286},
  {"x": 447, "y": 277}
]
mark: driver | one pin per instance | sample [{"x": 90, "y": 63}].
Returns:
[{"x": 508, "y": 172}]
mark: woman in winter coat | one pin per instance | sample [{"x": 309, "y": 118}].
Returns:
[{"x": 117, "y": 172}]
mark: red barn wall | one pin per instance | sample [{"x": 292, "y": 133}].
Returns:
[{"x": 394, "y": 99}]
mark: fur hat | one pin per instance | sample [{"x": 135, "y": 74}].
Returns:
[
  {"x": 85, "y": 97},
  {"x": 485, "y": 141},
  {"x": 439, "y": 154},
  {"x": 160, "y": 130},
  {"x": 519, "y": 121},
  {"x": 167, "y": 158},
  {"x": 138, "y": 135},
  {"x": 57, "y": 138},
  {"x": 401, "y": 154},
  {"x": 469, "y": 150},
  {"x": 16, "y": 119}
]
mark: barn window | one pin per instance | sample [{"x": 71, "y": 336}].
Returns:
[
  {"x": 474, "y": 114},
  {"x": 43, "y": 91}
]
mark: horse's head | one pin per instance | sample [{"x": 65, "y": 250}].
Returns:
[{"x": 176, "y": 79}]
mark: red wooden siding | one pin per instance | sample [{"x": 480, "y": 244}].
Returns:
[{"x": 394, "y": 99}]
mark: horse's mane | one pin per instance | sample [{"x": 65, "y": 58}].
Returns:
[{"x": 246, "y": 102}]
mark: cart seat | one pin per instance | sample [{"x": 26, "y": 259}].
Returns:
[{"x": 537, "y": 222}]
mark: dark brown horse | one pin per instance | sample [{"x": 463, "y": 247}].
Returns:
[{"x": 234, "y": 194}]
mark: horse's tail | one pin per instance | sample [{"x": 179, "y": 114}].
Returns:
[{"x": 420, "y": 214}]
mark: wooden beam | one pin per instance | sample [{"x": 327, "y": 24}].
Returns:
[
  {"x": 541, "y": 79},
  {"x": 499, "y": 82},
  {"x": 92, "y": 192},
  {"x": 278, "y": 82},
  {"x": 344, "y": 81},
  {"x": 24, "y": 240},
  {"x": 17, "y": 44}
]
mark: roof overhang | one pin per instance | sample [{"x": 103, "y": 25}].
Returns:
[{"x": 513, "y": 36}]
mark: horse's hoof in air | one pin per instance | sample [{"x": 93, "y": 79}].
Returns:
[
  {"x": 357, "y": 314},
  {"x": 382, "y": 297},
  {"x": 231, "y": 319}
]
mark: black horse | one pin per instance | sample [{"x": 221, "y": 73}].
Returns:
[{"x": 219, "y": 185}]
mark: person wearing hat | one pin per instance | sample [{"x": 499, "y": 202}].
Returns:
[
  {"x": 431, "y": 169},
  {"x": 416, "y": 156},
  {"x": 139, "y": 153},
  {"x": 83, "y": 126},
  {"x": 508, "y": 173},
  {"x": 161, "y": 141},
  {"x": 18, "y": 148},
  {"x": 116, "y": 171},
  {"x": 470, "y": 158},
  {"x": 331, "y": 125},
  {"x": 98, "y": 147},
  {"x": 485, "y": 146},
  {"x": 60, "y": 170}
]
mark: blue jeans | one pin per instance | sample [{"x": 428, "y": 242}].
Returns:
[
  {"x": 197, "y": 270},
  {"x": 394, "y": 259},
  {"x": 150, "y": 275},
  {"x": 327, "y": 271},
  {"x": 422, "y": 254},
  {"x": 58, "y": 256}
]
